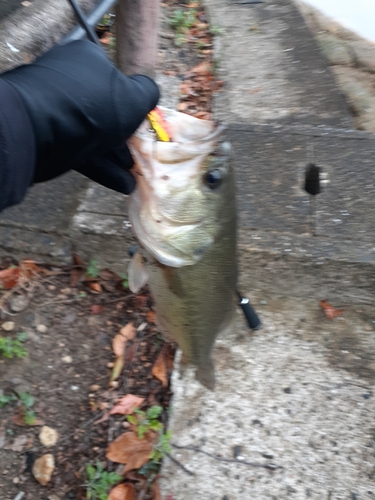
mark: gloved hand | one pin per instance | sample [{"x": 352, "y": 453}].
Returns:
[{"x": 82, "y": 109}]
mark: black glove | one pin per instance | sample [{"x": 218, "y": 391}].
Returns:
[{"x": 82, "y": 109}]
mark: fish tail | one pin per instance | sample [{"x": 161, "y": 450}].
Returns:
[{"x": 206, "y": 375}]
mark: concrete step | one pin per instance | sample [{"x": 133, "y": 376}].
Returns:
[{"x": 272, "y": 67}]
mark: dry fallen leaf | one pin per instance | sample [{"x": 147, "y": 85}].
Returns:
[
  {"x": 29, "y": 268},
  {"x": 77, "y": 271},
  {"x": 95, "y": 287},
  {"x": 106, "y": 38},
  {"x": 18, "y": 443},
  {"x": 96, "y": 309},
  {"x": 202, "y": 68},
  {"x": 18, "y": 419},
  {"x": 155, "y": 491},
  {"x": 151, "y": 316},
  {"x": 127, "y": 332},
  {"x": 43, "y": 468},
  {"x": 159, "y": 370},
  {"x": 130, "y": 450},
  {"x": 9, "y": 277},
  {"x": 117, "y": 368},
  {"x": 330, "y": 311},
  {"x": 122, "y": 492},
  {"x": 127, "y": 404}
]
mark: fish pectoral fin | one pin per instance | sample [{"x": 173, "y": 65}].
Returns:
[{"x": 137, "y": 273}]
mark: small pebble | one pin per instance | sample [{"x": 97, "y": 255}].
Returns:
[
  {"x": 51, "y": 287},
  {"x": 8, "y": 326},
  {"x": 94, "y": 387},
  {"x": 16, "y": 480},
  {"x": 67, "y": 359},
  {"x": 41, "y": 328},
  {"x": 48, "y": 436},
  {"x": 114, "y": 384},
  {"x": 74, "y": 387},
  {"x": 110, "y": 365},
  {"x": 18, "y": 303}
]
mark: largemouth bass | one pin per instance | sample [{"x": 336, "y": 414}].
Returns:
[{"x": 183, "y": 213}]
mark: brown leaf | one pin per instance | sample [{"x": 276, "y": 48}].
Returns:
[
  {"x": 155, "y": 491},
  {"x": 77, "y": 271},
  {"x": 78, "y": 261},
  {"x": 96, "y": 287},
  {"x": 9, "y": 277},
  {"x": 19, "y": 420},
  {"x": 203, "y": 115},
  {"x": 330, "y": 311},
  {"x": 29, "y": 268},
  {"x": 122, "y": 492},
  {"x": 202, "y": 68},
  {"x": 96, "y": 309},
  {"x": 75, "y": 276},
  {"x": 130, "y": 450},
  {"x": 151, "y": 316},
  {"x": 127, "y": 404},
  {"x": 130, "y": 353},
  {"x": 127, "y": 332},
  {"x": 106, "y": 38},
  {"x": 159, "y": 370},
  {"x": 18, "y": 444}
]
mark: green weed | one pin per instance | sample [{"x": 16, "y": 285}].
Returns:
[
  {"x": 27, "y": 402},
  {"x": 99, "y": 481},
  {"x": 92, "y": 270},
  {"x": 125, "y": 280},
  {"x": 216, "y": 30},
  {"x": 181, "y": 21},
  {"x": 13, "y": 348},
  {"x": 4, "y": 400},
  {"x": 145, "y": 421}
]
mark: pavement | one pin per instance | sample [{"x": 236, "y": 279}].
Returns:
[{"x": 297, "y": 395}]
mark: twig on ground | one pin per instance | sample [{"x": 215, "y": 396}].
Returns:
[
  {"x": 19, "y": 495},
  {"x": 230, "y": 460},
  {"x": 174, "y": 460},
  {"x": 118, "y": 299}
]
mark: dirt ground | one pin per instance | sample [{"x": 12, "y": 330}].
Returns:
[{"x": 67, "y": 370}]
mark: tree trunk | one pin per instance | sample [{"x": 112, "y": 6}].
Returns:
[{"x": 137, "y": 27}]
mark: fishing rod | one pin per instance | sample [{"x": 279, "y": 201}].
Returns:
[{"x": 91, "y": 35}]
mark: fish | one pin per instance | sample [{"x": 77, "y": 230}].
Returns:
[{"x": 183, "y": 213}]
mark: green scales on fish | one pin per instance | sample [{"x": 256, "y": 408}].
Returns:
[{"x": 183, "y": 213}]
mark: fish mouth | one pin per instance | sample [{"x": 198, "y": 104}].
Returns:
[{"x": 167, "y": 221}]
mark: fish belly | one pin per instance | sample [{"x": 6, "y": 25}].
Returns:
[{"x": 195, "y": 303}]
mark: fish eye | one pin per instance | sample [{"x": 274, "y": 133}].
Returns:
[{"x": 213, "y": 178}]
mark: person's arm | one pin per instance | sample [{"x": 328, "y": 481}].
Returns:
[
  {"x": 17, "y": 147},
  {"x": 74, "y": 111}
]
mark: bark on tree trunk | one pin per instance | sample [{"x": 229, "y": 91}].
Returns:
[{"x": 137, "y": 27}]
